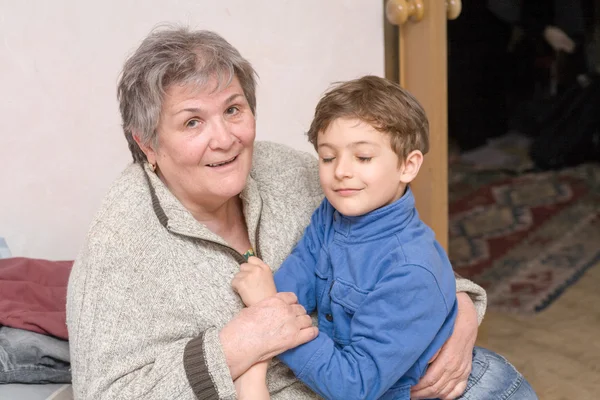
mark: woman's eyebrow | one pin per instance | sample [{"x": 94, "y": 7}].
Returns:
[
  {"x": 190, "y": 110},
  {"x": 198, "y": 110},
  {"x": 233, "y": 97}
]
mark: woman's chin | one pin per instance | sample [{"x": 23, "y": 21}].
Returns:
[{"x": 231, "y": 186}]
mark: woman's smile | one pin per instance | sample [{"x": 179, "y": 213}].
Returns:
[{"x": 220, "y": 164}]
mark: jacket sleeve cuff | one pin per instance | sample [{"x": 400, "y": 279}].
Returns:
[
  {"x": 206, "y": 367},
  {"x": 475, "y": 292},
  {"x": 302, "y": 357}
]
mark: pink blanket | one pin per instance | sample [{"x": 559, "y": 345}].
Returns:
[{"x": 33, "y": 295}]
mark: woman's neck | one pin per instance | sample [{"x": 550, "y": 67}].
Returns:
[{"x": 227, "y": 221}]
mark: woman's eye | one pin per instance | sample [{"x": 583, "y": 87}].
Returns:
[
  {"x": 326, "y": 160},
  {"x": 232, "y": 110},
  {"x": 364, "y": 159},
  {"x": 192, "y": 123}
]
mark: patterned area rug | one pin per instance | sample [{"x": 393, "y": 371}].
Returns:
[{"x": 524, "y": 237}]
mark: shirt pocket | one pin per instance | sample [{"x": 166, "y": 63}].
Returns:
[{"x": 345, "y": 300}]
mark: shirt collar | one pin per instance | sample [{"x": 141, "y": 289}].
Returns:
[{"x": 379, "y": 223}]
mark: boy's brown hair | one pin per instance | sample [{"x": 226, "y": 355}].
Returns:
[{"x": 380, "y": 103}]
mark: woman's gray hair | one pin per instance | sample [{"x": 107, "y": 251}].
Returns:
[{"x": 171, "y": 56}]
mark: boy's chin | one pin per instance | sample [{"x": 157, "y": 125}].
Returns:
[{"x": 351, "y": 211}]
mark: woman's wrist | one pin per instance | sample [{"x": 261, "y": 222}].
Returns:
[
  {"x": 239, "y": 355},
  {"x": 467, "y": 314}
]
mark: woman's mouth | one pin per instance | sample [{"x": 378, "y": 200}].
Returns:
[{"x": 222, "y": 163}]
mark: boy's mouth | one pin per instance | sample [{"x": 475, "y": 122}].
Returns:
[{"x": 347, "y": 191}]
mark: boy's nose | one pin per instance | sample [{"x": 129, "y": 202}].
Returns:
[{"x": 343, "y": 169}]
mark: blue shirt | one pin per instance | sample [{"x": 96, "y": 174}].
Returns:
[{"x": 386, "y": 299}]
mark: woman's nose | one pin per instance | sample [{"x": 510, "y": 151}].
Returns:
[{"x": 221, "y": 138}]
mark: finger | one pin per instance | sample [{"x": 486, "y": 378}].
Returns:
[
  {"x": 432, "y": 359},
  {"x": 287, "y": 297},
  {"x": 303, "y": 321},
  {"x": 445, "y": 391},
  {"x": 306, "y": 335},
  {"x": 431, "y": 377},
  {"x": 458, "y": 391},
  {"x": 255, "y": 260},
  {"x": 298, "y": 310},
  {"x": 235, "y": 283},
  {"x": 238, "y": 278},
  {"x": 246, "y": 267},
  {"x": 258, "y": 262},
  {"x": 429, "y": 386}
]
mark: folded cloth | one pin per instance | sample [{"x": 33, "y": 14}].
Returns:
[
  {"x": 34, "y": 295},
  {"x": 4, "y": 250},
  {"x": 29, "y": 357}
]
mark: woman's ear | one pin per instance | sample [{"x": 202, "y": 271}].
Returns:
[
  {"x": 148, "y": 150},
  {"x": 411, "y": 166}
]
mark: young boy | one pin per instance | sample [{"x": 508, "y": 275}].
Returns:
[{"x": 383, "y": 286}]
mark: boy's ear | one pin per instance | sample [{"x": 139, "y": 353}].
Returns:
[
  {"x": 411, "y": 166},
  {"x": 148, "y": 150}
]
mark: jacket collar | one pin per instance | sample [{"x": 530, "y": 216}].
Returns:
[
  {"x": 384, "y": 221},
  {"x": 177, "y": 219}
]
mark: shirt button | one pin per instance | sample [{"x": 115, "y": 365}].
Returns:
[{"x": 329, "y": 317}]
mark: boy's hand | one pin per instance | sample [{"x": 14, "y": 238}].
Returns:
[{"x": 254, "y": 282}]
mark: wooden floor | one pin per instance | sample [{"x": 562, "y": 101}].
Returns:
[{"x": 558, "y": 349}]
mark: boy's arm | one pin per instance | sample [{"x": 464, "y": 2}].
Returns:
[
  {"x": 252, "y": 384},
  {"x": 297, "y": 272},
  {"x": 391, "y": 329},
  {"x": 255, "y": 281}
]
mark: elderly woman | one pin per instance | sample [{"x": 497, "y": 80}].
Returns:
[{"x": 151, "y": 313}]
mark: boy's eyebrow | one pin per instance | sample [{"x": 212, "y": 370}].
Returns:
[
  {"x": 361, "y": 142},
  {"x": 353, "y": 144}
]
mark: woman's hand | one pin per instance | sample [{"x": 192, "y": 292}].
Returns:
[
  {"x": 446, "y": 377},
  {"x": 265, "y": 330},
  {"x": 254, "y": 282}
]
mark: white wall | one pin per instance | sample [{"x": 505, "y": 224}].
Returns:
[{"x": 60, "y": 140}]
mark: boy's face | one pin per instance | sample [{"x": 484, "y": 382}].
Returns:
[{"x": 359, "y": 171}]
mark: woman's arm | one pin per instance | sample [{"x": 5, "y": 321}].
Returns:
[
  {"x": 446, "y": 377},
  {"x": 475, "y": 293},
  {"x": 121, "y": 347},
  {"x": 277, "y": 324}
]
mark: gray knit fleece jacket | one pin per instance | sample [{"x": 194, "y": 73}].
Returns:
[{"x": 152, "y": 287}]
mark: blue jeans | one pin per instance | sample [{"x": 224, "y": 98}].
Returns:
[
  {"x": 494, "y": 378},
  {"x": 29, "y": 357}
]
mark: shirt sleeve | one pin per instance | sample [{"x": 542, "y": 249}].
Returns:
[
  {"x": 297, "y": 272},
  {"x": 391, "y": 329}
]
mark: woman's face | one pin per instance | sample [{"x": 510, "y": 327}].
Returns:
[{"x": 205, "y": 143}]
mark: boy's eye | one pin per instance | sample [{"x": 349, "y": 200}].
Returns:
[
  {"x": 364, "y": 159},
  {"x": 192, "y": 123},
  {"x": 326, "y": 160}
]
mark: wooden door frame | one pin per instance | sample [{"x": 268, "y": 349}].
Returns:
[{"x": 420, "y": 56}]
